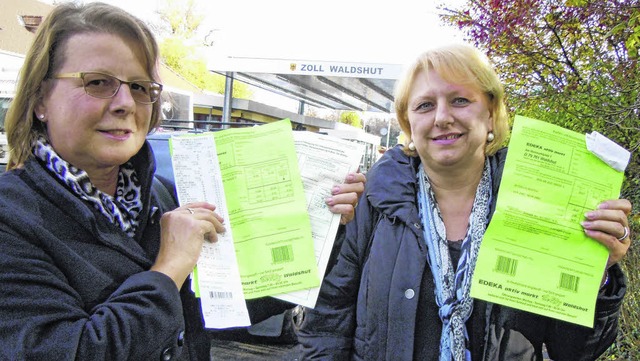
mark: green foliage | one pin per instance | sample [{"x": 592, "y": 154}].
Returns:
[
  {"x": 567, "y": 64},
  {"x": 631, "y": 30},
  {"x": 573, "y": 63},
  {"x": 179, "y": 50},
  {"x": 182, "y": 17},
  {"x": 351, "y": 118}
]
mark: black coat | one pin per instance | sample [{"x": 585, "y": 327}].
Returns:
[
  {"x": 370, "y": 299},
  {"x": 74, "y": 286}
]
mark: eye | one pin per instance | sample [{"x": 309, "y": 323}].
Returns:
[
  {"x": 98, "y": 81},
  {"x": 460, "y": 101},
  {"x": 424, "y": 106},
  {"x": 140, "y": 87}
]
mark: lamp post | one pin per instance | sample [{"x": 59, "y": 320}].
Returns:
[{"x": 386, "y": 131}]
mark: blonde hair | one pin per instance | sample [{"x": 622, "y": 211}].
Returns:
[
  {"x": 47, "y": 54},
  {"x": 459, "y": 64}
]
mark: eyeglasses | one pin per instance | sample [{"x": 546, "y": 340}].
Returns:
[{"x": 106, "y": 86}]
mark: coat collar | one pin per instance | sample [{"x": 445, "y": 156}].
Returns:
[
  {"x": 392, "y": 183},
  {"x": 89, "y": 219}
]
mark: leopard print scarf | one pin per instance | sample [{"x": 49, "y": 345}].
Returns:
[{"x": 123, "y": 210}]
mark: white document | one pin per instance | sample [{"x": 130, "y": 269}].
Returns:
[
  {"x": 324, "y": 161},
  {"x": 217, "y": 280},
  {"x": 608, "y": 151}
]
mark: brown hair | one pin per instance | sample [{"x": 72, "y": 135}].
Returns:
[
  {"x": 46, "y": 56},
  {"x": 460, "y": 64}
]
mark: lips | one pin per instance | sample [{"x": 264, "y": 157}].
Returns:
[
  {"x": 116, "y": 132},
  {"x": 448, "y": 137}
]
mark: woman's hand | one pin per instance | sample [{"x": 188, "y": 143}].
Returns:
[
  {"x": 183, "y": 231},
  {"x": 609, "y": 225},
  {"x": 344, "y": 197}
]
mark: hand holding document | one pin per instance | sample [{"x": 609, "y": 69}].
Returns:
[
  {"x": 256, "y": 179},
  {"x": 197, "y": 178},
  {"x": 535, "y": 255}
]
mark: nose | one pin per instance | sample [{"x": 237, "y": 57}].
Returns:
[
  {"x": 443, "y": 114},
  {"x": 123, "y": 97}
]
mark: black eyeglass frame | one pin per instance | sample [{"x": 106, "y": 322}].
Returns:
[{"x": 153, "y": 86}]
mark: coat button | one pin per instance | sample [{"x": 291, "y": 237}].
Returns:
[
  {"x": 417, "y": 225},
  {"x": 409, "y": 293},
  {"x": 181, "y": 338},
  {"x": 167, "y": 354}
]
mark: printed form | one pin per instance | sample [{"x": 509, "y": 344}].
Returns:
[
  {"x": 270, "y": 247},
  {"x": 535, "y": 255},
  {"x": 216, "y": 276},
  {"x": 324, "y": 161}
]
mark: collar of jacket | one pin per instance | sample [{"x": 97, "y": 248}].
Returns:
[
  {"x": 85, "y": 215},
  {"x": 392, "y": 184}
]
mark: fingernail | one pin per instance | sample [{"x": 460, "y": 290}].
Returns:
[
  {"x": 590, "y": 215},
  {"x": 586, "y": 224},
  {"x": 603, "y": 205},
  {"x": 351, "y": 177},
  {"x": 335, "y": 190},
  {"x": 329, "y": 201}
]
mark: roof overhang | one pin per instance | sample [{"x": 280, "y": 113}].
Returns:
[{"x": 324, "y": 84}]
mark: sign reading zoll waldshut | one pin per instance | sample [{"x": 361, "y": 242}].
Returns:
[{"x": 306, "y": 67}]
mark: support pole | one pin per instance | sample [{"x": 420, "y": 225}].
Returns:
[{"x": 228, "y": 97}]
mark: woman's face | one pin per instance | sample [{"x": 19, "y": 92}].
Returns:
[
  {"x": 449, "y": 122},
  {"x": 95, "y": 134}
]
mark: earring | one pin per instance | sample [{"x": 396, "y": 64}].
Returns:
[
  {"x": 490, "y": 137},
  {"x": 412, "y": 146},
  {"x": 41, "y": 116}
]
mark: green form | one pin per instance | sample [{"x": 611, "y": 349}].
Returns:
[
  {"x": 535, "y": 255},
  {"x": 252, "y": 176},
  {"x": 267, "y": 209}
]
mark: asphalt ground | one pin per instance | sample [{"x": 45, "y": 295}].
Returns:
[{"x": 224, "y": 350}]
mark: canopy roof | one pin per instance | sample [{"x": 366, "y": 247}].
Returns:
[{"x": 324, "y": 84}]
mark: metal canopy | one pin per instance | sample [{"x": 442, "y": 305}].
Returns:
[{"x": 323, "y": 84}]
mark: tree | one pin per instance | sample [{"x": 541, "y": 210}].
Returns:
[
  {"x": 181, "y": 47},
  {"x": 351, "y": 118},
  {"x": 567, "y": 63},
  {"x": 376, "y": 124},
  {"x": 573, "y": 63}
]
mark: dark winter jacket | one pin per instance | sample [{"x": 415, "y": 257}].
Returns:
[
  {"x": 370, "y": 298},
  {"x": 75, "y": 287}
]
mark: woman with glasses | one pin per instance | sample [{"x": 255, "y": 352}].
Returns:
[{"x": 90, "y": 268}]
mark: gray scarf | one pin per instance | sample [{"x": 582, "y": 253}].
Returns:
[{"x": 453, "y": 286}]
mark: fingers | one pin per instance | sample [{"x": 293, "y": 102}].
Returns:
[
  {"x": 353, "y": 183},
  {"x": 212, "y": 223},
  {"x": 346, "y": 218},
  {"x": 356, "y": 178},
  {"x": 343, "y": 204},
  {"x": 346, "y": 193},
  {"x": 617, "y": 204},
  {"x": 344, "y": 197},
  {"x": 183, "y": 232},
  {"x": 609, "y": 225},
  {"x": 195, "y": 205}
]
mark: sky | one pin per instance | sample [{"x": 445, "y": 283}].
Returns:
[{"x": 383, "y": 31}]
